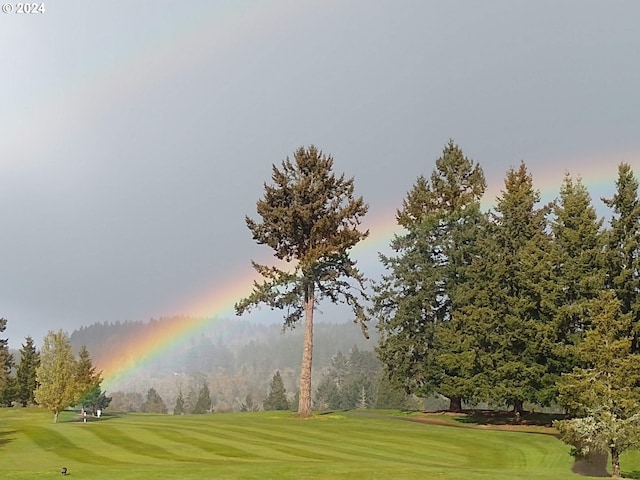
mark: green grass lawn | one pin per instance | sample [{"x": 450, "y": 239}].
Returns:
[{"x": 265, "y": 445}]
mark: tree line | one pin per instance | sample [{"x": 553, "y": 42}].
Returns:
[
  {"x": 51, "y": 377},
  {"x": 498, "y": 306}
]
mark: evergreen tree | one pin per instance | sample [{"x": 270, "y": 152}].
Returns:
[
  {"x": 391, "y": 396},
  {"x": 512, "y": 298},
  {"x": 179, "y": 408},
  {"x": 26, "y": 372},
  {"x": 309, "y": 217},
  {"x": 88, "y": 379},
  {"x": 57, "y": 374},
  {"x": 249, "y": 405},
  {"x": 577, "y": 271},
  {"x": 277, "y": 398},
  {"x": 418, "y": 301},
  {"x": 605, "y": 393},
  {"x": 9, "y": 392},
  {"x": 328, "y": 395},
  {"x": 95, "y": 399},
  {"x": 153, "y": 403},
  {"x": 203, "y": 404},
  {"x": 360, "y": 382},
  {"x": 622, "y": 254},
  {"x": 7, "y": 385}
]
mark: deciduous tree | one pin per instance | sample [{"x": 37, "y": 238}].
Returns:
[
  {"x": 310, "y": 218},
  {"x": 57, "y": 374}
]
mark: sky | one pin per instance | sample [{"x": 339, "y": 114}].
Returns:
[{"x": 136, "y": 136}]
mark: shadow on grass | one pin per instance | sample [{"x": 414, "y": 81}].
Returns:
[
  {"x": 5, "y": 437},
  {"x": 595, "y": 465},
  {"x": 492, "y": 417},
  {"x": 634, "y": 474}
]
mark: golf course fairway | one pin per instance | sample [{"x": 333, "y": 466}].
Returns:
[{"x": 270, "y": 445}]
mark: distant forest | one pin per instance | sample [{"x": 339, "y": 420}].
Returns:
[{"x": 235, "y": 358}]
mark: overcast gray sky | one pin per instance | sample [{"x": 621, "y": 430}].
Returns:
[{"x": 135, "y": 136}]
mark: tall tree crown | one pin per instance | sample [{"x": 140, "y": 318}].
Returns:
[
  {"x": 309, "y": 216},
  {"x": 456, "y": 183},
  {"x": 308, "y": 213}
]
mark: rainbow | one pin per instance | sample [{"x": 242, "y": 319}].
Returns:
[
  {"x": 212, "y": 34},
  {"x": 139, "y": 69},
  {"x": 217, "y": 302}
]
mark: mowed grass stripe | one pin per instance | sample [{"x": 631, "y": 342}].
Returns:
[
  {"x": 271, "y": 446},
  {"x": 221, "y": 448},
  {"x": 378, "y": 444},
  {"x": 146, "y": 448},
  {"x": 340, "y": 443},
  {"x": 48, "y": 439}
]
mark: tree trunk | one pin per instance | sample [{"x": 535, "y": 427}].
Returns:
[
  {"x": 455, "y": 404},
  {"x": 55, "y": 417},
  {"x": 304, "y": 404},
  {"x": 518, "y": 408},
  {"x": 615, "y": 463}
]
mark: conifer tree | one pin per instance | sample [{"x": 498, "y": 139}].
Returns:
[
  {"x": 328, "y": 396},
  {"x": 6, "y": 364},
  {"x": 578, "y": 276},
  {"x": 179, "y": 407},
  {"x": 390, "y": 396},
  {"x": 310, "y": 218},
  {"x": 88, "y": 379},
  {"x": 249, "y": 405},
  {"x": 277, "y": 398},
  {"x": 154, "y": 403},
  {"x": 511, "y": 297},
  {"x": 203, "y": 403},
  {"x": 26, "y": 372},
  {"x": 622, "y": 243},
  {"x": 417, "y": 302},
  {"x": 605, "y": 392}
]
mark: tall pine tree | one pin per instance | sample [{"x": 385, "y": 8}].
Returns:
[
  {"x": 309, "y": 217},
  {"x": 6, "y": 364},
  {"x": 622, "y": 243},
  {"x": 513, "y": 300},
  {"x": 26, "y": 372},
  {"x": 578, "y": 276},
  {"x": 417, "y": 300}
]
